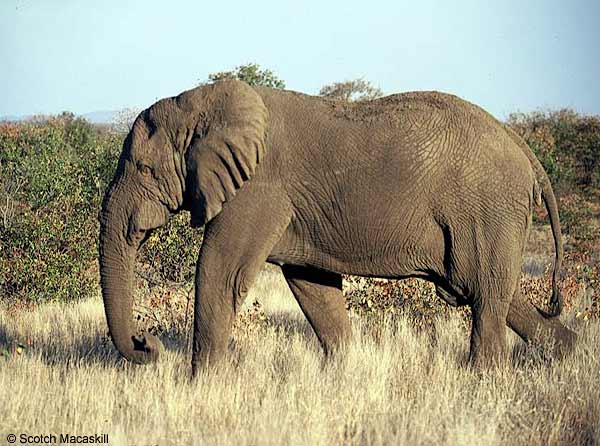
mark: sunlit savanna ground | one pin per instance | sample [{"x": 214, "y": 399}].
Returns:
[{"x": 395, "y": 386}]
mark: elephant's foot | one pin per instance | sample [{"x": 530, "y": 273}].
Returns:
[
  {"x": 488, "y": 335},
  {"x": 493, "y": 354},
  {"x": 534, "y": 328},
  {"x": 205, "y": 361},
  {"x": 337, "y": 344},
  {"x": 336, "y": 338}
]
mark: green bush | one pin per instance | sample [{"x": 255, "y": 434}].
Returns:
[
  {"x": 53, "y": 174},
  {"x": 170, "y": 253},
  {"x": 567, "y": 144},
  {"x": 412, "y": 298}
]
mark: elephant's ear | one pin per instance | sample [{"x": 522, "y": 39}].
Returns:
[{"x": 226, "y": 148}]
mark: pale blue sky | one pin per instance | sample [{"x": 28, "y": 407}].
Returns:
[{"x": 507, "y": 55}]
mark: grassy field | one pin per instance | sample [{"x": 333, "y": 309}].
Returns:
[{"x": 61, "y": 374}]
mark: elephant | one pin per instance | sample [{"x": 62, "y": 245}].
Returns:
[{"x": 418, "y": 184}]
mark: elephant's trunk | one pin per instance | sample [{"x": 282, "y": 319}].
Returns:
[{"x": 117, "y": 260}]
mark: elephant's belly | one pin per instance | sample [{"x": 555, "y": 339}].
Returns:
[{"x": 394, "y": 249}]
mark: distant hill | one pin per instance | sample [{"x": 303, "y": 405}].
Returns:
[
  {"x": 100, "y": 117},
  {"x": 13, "y": 118},
  {"x": 95, "y": 117}
]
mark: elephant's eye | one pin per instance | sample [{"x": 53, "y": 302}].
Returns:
[{"x": 144, "y": 169}]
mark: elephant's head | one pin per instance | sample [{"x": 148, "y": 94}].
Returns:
[{"x": 190, "y": 152}]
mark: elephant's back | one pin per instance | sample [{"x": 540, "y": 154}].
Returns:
[
  {"x": 401, "y": 120},
  {"x": 457, "y": 152},
  {"x": 412, "y": 136},
  {"x": 396, "y": 108}
]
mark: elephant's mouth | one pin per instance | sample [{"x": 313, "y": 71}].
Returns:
[
  {"x": 134, "y": 234},
  {"x": 143, "y": 222},
  {"x": 136, "y": 238}
]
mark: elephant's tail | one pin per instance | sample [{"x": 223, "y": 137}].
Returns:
[{"x": 547, "y": 194}]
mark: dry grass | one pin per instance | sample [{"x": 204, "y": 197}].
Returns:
[{"x": 394, "y": 386}]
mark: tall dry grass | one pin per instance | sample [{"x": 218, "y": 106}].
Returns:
[{"x": 394, "y": 386}]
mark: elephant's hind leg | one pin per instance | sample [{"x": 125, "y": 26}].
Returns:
[
  {"x": 488, "y": 332},
  {"x": 492, "y": 294},
  {"x": 525, "y": 319},
  {"x": 488, "y": 260},
  {"x": 319, "y": 294}
]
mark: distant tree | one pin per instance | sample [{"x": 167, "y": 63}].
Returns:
[
  {"x": 351, "y": 90},
  {"x": 124, "y": 118},
  {"x": 250, "y": 73}
]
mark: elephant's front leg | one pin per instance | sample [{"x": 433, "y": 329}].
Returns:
[
  {"x": 319, "y": 294},
  {"x": 235, "y": 247}
]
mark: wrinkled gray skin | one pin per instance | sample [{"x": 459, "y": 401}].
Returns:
[{"x": 411, "y": 185}]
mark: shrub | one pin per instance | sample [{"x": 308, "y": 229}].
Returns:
[
  {"x": 171, "y": 251},
  {"x": 53, "y": 174},
  {"x": 577, "y": 220},
  {"x": 567, "y": 144},
  {"x": 412, "y": 298}
]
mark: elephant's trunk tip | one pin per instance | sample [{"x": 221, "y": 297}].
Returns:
[{"x": 141, "y": 349}]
